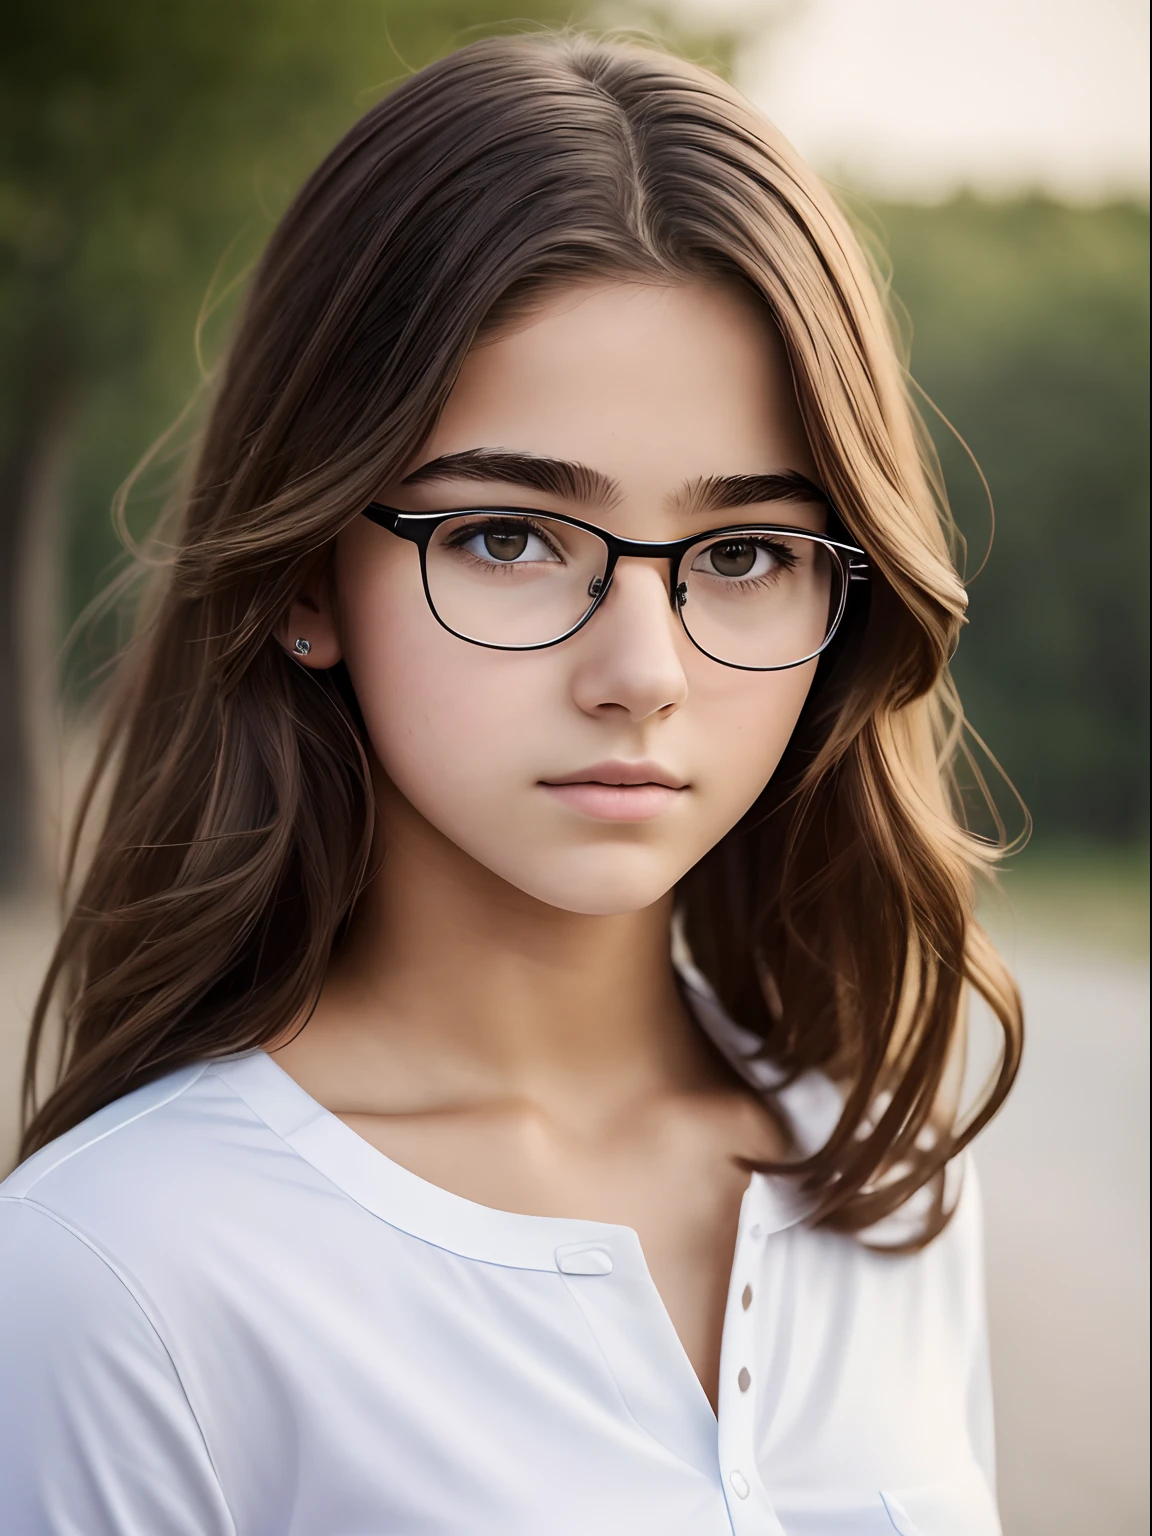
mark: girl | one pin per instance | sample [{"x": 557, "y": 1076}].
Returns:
[{"x": 512, "y": 1016}]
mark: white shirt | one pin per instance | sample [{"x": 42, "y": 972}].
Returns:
[{"x": 222, "y": 1311}]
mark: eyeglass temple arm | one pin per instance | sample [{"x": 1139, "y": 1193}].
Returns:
[{"x": 386, "y": 517}]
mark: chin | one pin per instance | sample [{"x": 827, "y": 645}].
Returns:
[{"x": 599, "y": 887}]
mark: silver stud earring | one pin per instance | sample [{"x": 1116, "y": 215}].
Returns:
[{"x": 302, "y": 646}]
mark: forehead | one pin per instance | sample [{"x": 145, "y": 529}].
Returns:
[{"x": 651, "y": 385}]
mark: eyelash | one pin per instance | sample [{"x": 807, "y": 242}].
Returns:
[
  {"x": 785, "y": 557},
  {"x": 486, "y": 525}
]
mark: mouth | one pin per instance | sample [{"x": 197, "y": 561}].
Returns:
[{"x": 618, "y": 791}]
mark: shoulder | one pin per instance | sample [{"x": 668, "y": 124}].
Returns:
[
  {"x": 922, "y": 1305},
  {"x": 951, "y": 1265},
  {"x": 66, "y": 1211},
  {"x": 961, "y": 1241},
  {"x": 200, "y": 1107},
  {"x": 63, "y": 1300},
  {"x": 86, "y": 1373},
  {"x": 172, "y": 1157},
  {"x": 114, "y": 1132},
  {"x": 886, "y": 1350}
]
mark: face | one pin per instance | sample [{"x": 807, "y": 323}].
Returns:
[{"x": 593, "y": 774}]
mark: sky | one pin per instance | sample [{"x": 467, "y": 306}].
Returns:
[{"x": 918, "y": 98}]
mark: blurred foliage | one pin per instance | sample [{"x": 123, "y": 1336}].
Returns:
[
  {"x": 1029, "y": 326},
  {"x": 146, "y": 151}
]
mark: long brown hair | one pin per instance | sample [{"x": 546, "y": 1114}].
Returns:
[{"x": 835, "y": 922}]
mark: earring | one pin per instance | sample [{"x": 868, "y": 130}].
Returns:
[{"x": 302, "y": 646}]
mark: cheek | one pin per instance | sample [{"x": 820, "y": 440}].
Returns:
[
  {"x": 743, "y": 722},
  {"x": 444, "y": 718}
]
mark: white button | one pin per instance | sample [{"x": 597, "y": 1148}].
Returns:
[
  {"x": 739, "y": 1484},
  {"x": 743, "y": 1381},
  {"x": 756, "y": 1232},
  {"x": 580, "y": 1259}
]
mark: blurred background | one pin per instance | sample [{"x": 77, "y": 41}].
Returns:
[{"x": 996, "y": 153}]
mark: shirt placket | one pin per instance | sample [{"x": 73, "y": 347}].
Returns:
[{"x": 749, "y": 1505}]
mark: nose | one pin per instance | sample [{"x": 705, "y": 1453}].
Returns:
[{"x": 629, "y": 655}]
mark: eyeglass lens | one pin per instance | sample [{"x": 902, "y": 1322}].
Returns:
[{"x": 755, "y": 599}]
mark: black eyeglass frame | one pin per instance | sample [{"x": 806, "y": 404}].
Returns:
[{"x": 418, "y": 528}]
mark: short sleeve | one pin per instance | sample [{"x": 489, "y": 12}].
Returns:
[{"x": 97, "y": 1437}]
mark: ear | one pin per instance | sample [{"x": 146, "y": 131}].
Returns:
[{"x": 311, "y": 620}]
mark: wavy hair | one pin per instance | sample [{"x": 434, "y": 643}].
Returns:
[{"x": 835, "y": 922}]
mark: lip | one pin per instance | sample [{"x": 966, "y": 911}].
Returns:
[
  {"x": 618, "y": 791},
  {"x": 618, "y": 772}
]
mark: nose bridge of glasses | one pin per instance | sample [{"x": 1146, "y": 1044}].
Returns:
[
  {"x": 665, "y": 557},
  {"x": 665, "y": 554}
]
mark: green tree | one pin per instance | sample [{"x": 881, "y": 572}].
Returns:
[{"x": 1029, "y": 328}]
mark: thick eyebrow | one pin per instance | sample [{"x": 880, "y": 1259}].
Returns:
[
  {"x": 585, "y": 486},
  {"x": 720, "y": 493},
  {"x": 556, "y": 477}
]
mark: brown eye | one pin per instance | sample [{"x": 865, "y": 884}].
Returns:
[
  {"x": 505, "y": 545},
  {"x": 735, "y": 557}
]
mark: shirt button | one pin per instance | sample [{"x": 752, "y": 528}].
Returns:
[
  {"x": 583, "y": 1259},
  {"x": 746, "y": 1297},
  {"x": 739, "y": 1484},
  {"x": 756, "y": 1232},
  {"x": 743, "y": 1381}
]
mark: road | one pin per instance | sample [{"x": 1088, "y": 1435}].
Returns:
[{"x": 1064, "y": 1170}]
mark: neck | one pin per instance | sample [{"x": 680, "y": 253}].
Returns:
[{"x": 463, "y": 988}]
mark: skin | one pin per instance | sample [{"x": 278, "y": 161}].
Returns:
[{"x": 502, "y": 1018}]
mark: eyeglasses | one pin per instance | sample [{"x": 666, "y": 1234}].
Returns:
[{"x": 755, "y": 596}]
